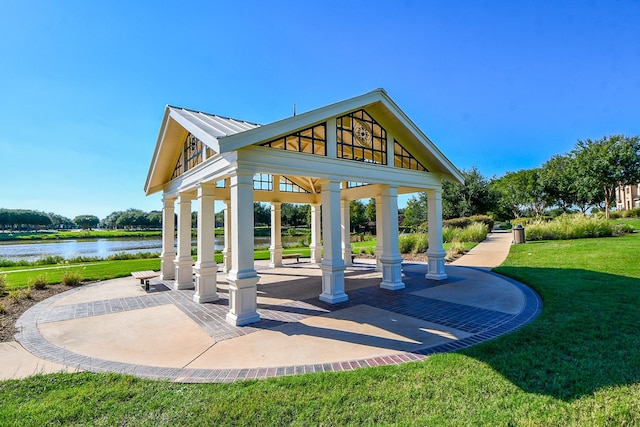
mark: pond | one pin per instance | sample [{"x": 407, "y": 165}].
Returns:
[{"x": 34, "y": 250}]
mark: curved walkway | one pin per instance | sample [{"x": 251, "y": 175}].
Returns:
[{"x": 115, "y": 326}]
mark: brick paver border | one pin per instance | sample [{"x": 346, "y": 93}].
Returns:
[{"x": 483, "y": 324}]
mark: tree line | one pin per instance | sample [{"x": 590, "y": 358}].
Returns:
[
  {"x": 582, "y": 179},
  {"x": 25, "y": 219}
]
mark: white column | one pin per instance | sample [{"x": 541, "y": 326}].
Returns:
[
  {"x": 167, "y": 257},
  {"x": 379, "y": 238},
  {"x": 332, "y": 264},
  {"x": 275, "y": 249},
  {"x": 346, "y": 231},
  {"x": 242, "y": 278},
  {"x": 184, "y": 260},
  {"x": 391, "y": 259},
  {"x": 316, "y": 245},
  {"x": 206, "y": 267},
  {"x": 435, "y": 253},
  {"x": 226, "y": 252}
]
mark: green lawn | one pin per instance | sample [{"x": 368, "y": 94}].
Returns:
[
  {"x": 633, "y": 221},
  {"x": 578, "y": 364}
]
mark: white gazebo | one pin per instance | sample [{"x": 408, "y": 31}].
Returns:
[{"x": 363, "y": 147}]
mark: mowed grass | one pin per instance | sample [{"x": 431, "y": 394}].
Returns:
[
  {"x": 578, "y": 364},
  {"x": 19, "y": 277}
]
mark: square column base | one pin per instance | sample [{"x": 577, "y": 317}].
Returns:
[
  {"x": 275, "y": 257},
  {"x": 333, "y": 284},
  {"x": 184, "y": 275},
  {"x": 167, "y": 267},
  {"x": 378, "y": 255},
  {"x": 316, "y": 254},
  {"x": 346, "y": 256},
  {"x": 206, "y": 283},
  {"x": 391, "y": 274},
  {"x": 243, "y": 301},
  {"x": 226, "y": 261},
  {"x": 436, "y": 265}
]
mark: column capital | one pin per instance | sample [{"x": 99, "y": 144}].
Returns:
[
  {"x": 184, "y": 197},
  {"x": 168, "y": 201},
  {"x": 206, "y": 189}
]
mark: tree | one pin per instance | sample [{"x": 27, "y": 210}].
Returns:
[
  {"x": 154, "y": 219},
  {"x": 133, "y": 218},
  {"x": 416, "y": 211},
  {"x": 370, "y": 212},
  {"x": 23, "y": 218},
  {"x": 59, "y": 221},
  {"x": 294, "y": 215},
  {"x": 261, "y": 214},
  {"x": 521, "y": 192},
  {"x": 609, "y": 162},
  {"x": 473, "y": 197},
  {"x": 86, "y": 221},
  {"x": 357, "y": 216},
  {"x": 567, "y": 185},
  {"x": 111, "y": 219}
]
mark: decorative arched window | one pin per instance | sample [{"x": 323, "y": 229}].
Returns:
[{"x": 361, "y": 138}]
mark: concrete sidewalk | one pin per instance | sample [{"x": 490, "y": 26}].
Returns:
[
  {"x": 116, "y": 326},
  {"x": 489, "y": 253}
]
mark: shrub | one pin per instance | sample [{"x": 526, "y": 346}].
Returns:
[
  {"x": 456, "y": 248},
  {"x": 421, "y": 243},
  {"x": 475, "y": 232},
  {"x": 15, "y": 295},
  {"x": 631, "y": 213},
  {"x": 49, "y": 260},
  {"x": 40, "y": 281},
  {"x": 27, "y": 292},
  {"x": 3, "y": 309},
  {"x": 71, "y": 278},
  {"x": 449, "y": 234},
  {"x": 484, "y": 219},
  {"x": 406, "y": 243},
  {"x": 3, "y": 283},
  {"x": 140, "y": 255},
  {"x": 457, "y": 222},
  {"x": 467, "y": 221},
  {"x": 574, "y": 226}
]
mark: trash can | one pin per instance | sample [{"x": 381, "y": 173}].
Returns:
[{"x": 518, "y": 234}]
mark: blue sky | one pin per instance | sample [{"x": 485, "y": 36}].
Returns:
[{"x": 500, "y": 85}]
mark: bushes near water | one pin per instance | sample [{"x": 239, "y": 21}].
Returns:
[
  {"x": 575, "y": 226},
  {"x": 56, "y": 259}
]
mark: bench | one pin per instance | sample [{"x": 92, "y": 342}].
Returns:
[
  {"x": 289, "y": 256},
  {"x": 144, "y": 277}
]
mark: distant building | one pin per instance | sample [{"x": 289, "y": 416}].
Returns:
[{"x": 628, "y": 197}]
